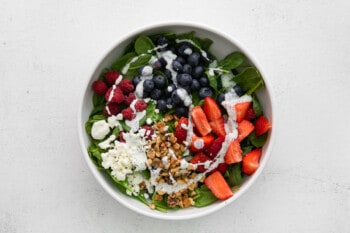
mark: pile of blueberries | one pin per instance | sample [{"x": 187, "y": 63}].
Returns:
[{"x": 189, "y": 65}]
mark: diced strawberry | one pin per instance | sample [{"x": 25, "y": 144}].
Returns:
[
  {"x": 218, "y": 127},
  {"x": 244, "y": 128},
  {"x": 251, "y": 161},
  {"x": 218, "y": 186},
  {"x": 262, "y": 125},
  {"x": 215, "y": 147},
  {"x": 211, "y": 109},
  {"x": 222, "y": 167},
  {"x": 181, "y": 130},
  {"x": 99, "y": 87},
  {"x": 233, "y": 153},
  {"x": 200, "y": 158},
  {"x": 200, "y": 121},
  {"x": 250, "y": 115},
  {"x": 241, "y": 110},
  {"x": 111, "y": 77},
  {"x": 201, "y": 143}
]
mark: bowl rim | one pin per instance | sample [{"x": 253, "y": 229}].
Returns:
[{"x": 145, "y": 29}]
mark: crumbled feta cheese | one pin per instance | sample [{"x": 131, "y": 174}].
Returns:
[{"x": 99, "y": 130}]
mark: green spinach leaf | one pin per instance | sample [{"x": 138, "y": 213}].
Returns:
[
  {"x": 257, "y": 141},
  {"x": 249, "y": 79},
  {"x": 143, "y": 44},
  {"x": 257, "y": 106},
  {"x": 204, "y": 196},
  {"x": 95, "y": 155},
  {"x": 234, "y": 174},
  {"x": 232, "y": 61},
  {"x": 121, "y": 62}
]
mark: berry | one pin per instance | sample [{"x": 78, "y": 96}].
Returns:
[
  {"x": 215, "y": 147},
  {"x": 145, "y": 94},
  {"x": 136, "y": 80},
  {"x": 195, "y": 86},
  {"x": 111, "y": 109},
  {"x": 126, "y": 86},
  {"x": 185, "y": 49},
  {"x": 148, "y": 132},
  {"x": 184, "y": 79},
  {"x": 198, "y": 71},
  {"x": 244, "y": 128},
  {"x": 162, "y": 40},
  {"x": 200, "y": 121},
  {"x": 204, "y": 81},
  {"x": 262, "y": 125},
  {"x": 217, "y": 184},
  {"x": 205, "y": 92},
  {"x": 140, "y": 105},
  {"x": 148, "y": 85},
  {"x": 181, "y": 111},
  {"x": 114, "y": 95},
  {"x": 176, "y": 98},
  {"x": 200, "y": 158},
  {"x": 161, "y": 105},
  {"x": 241, "y": 110},
  {"x": 159, "y": 81},
  {"x": 169, "y": 103},
  {"x": 181, "y": 60},
  {"x": 169, "y": 89},
  {"x": 188, "y": 89},
  {"x": 129, "y": 98},
  {"x": 250, "y": 115},
  {"x": 111, "y": 76},
  {"x": 163, "y": 61},
  {"x": 193, "y": 59},
  {"x": 222, "y": 168},
  {"x": 211, "y": 109},
  {"x": 99, "y": 87},
  {"x": 251, "y": 162},
  {"x": 218, "y": 127},
  {"x": 168, "y": 74},
  {"x": 121, "y": 136},
  {"x": 187, "y": 69},
  {"x": 238, "y": 90},
  {"x": 157, "y": 65},
  {"x": 220, "y": 98},
  {"x": 156, "y": 94},
  {"x": 199, "y": 144},
  {"x": 177, "y": 66},
  {"x": 233, "y": 153},
  {"x": 181, "y": 130},
  {"x": 128, "y": 114}
]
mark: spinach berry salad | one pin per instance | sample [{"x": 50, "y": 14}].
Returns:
[{"x": 173, "y": 126}]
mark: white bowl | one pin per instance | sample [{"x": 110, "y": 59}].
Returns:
[{"x": 223, "y": 44}]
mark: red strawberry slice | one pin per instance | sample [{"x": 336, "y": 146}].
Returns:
[
  {"x": 181, "y": 129},
  {"x": 201, "y": 143},
  {"x": 218, "y": 186},
  {"x": 244, "y": 128},
  {"x": 241, "y": 110},
  {"x": 262, "y": 125},
  {"x": 250, "y": 115},
  {"x": 215, "y": 147},
  {"x": 218, "y": 127},
  {"x": 200, "y": 121},
  {"x": 200, "y": 158},
  {"x": 233, "y": 153},
  {"x": 251, "y": 161},
  {"x": 211, "y": 109}
]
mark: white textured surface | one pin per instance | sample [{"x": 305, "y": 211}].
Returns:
[{"x": 48, "y": 47}]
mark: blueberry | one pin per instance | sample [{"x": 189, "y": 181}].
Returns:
[
  {"x": 176, "y": 98},
  {"x": 159, "y": 81},
  {"x": 156, "y": 94},
  {"x": 148, "y": 85},
  {"x": 238, "y": 90},
  {"x": 161, "y": 105},
  {"x": 168, "y": 74},
  {"x": 136, "y": 80},
  {"x": 181, "y": 60},
  {"x": 193, "y": 59},
  {"x": 181, "y": 111},
  {"x": 177, "y": 66},
  {"x": 162, "y": 40},
  {"x": 185, "y": 49},
  {"x": 220, "y": 98},
  {"x": 157, "y": 65},
  {"x": 204, "y": 81},
  {"x": 169, "y": 103},
  {"x": 188, "y": 89},
  {"x": 198, "y": 71},
  {"x": 187, "y": 69},
  {"x": 169, "y": 89},
  {"x": 195, "y": 86},
  {"x": 205, "y": 92},
  {"x": 163, "y": 61},
  {"x": 145, "y": 94},
  {"x": 184, "y": 79}
]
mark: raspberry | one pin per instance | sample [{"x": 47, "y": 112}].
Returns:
[
  {"x": 126, "y": 86},
  {"x": 140, "y": 105},
  {"x": 111, "y": 109},
  {"x": 99, "y": 87},
  {"x": 114, "y": 95},
  {"x": 215, "y": 147},
  {"x": 148, "y": 132},
  {"x": 128, "y": 114},
  {"x": 222, "y": 167},
  {"x": 111, "y": 77},
  {"x": 129, "y": 98}
]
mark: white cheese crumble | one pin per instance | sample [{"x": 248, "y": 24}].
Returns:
[{"x": 99, "y": 129}]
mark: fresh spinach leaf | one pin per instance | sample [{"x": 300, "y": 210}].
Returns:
[
  {"x": 257, "y": 106},
  {"x": 143, "y": 44},
  {"x": 234, "y": 174},
  {"x": 249, "y": 79},
  {"x": 95, "y": 155},
  {"x": 150, "y": 113},
  {"x": 257, "y": 141},
  {"x": 204, "y": 196},
  {"x": 204, "y": 43},
  {"x": 124, "y": 125},
  {"x": 232, "y": 61},
  {"x": 142, "y": 60},
  {"x": 160, "y": 205},
  {"x": 121, "y": 62},
  {"x": 98, "y": 100}
]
